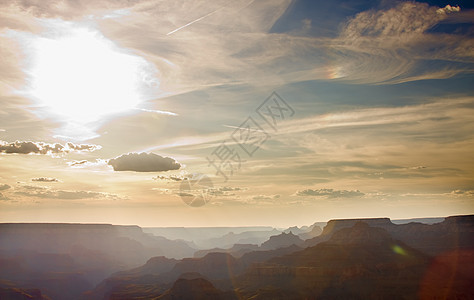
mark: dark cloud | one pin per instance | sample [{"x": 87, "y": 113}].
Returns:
[
  {"x": 81, "y": 147},
  {"x": 143, "y": 162},
  {"x": 330, "y": 193},
  {"x": 27, "y": 147},
  {"x": 77, "y": 163},
  {"x": 169, "y": 178},
  {"x": 186, "y": 194},
  {"x": 229, "y": 189},
  {"x": 224, "y": 191},
  {"x": 45, "y": 179},
  {"x": 4, "y": 187}
]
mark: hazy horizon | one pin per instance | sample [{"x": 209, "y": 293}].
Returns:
[{"x": 231, "y": 226}]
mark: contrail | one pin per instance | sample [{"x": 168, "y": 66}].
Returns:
[
  {"x": 162, "y": 112},
  {"x": 197, "y": 20}
]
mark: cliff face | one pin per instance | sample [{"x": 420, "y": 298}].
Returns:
[
  {"x": 335, "y": 225},
  {"x": 356, "y": 260},
  {"x": 21, "y": 294},
  {"x": 65, "y": 260},
  {"x": 360, "y": 244},
  {"x": 194, "y": 289},
  {"x": 361, "y": 261},
  {"x": 219, "y": 268},
  {"x": 149, "y": 272},
  {"x": 281, "y": 241},
  {"x": 213, "y": 266},
  {"x": 246, "y": 237},
  {"x": 128, "y": 243},
  {"x": 236, "y": 251},
  {"x": 361, "y": 234},
  {"x": 315, "y": 231},
  {"x": 455, "y": 232}
]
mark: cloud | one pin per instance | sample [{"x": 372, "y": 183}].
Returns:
[
  {"x": 330, "y": 193},
  {"x": 453, "y": 114},
  {"x": 64, "y": 9},
  {"x": 406, "y": 19},
  {"x": 394, "y": 45},
  {"x": 76, "y": 163},
  {"x": 143, "y": 162},
  {"x": 452, "y": 117},
  {"x": 229, "y": 189},
  {"x": 2, "y": 197},
  {"x": 417, "y": 168},
  {"x": 165, "y": 191},
  {"x": 81, "y": 147},
  {"x": 447, "y": 9},
  {"x": 182, "y": 194},
  {"x": 233, "y": 44},
  {"x": 224, "y": 191},
  {"x": 463, "y": 193},
  {"x": 48, "y": 193},
  {"x": 4, "y": 187},
  {"x": 265, "y": 197},
  {"x": 373, "y": 46},
  {"x": 45, "y": 179},
  {"x": 85, "y": 163},
  {"x": 170, "y": 178},
  {"x": 28, "y": 147}
]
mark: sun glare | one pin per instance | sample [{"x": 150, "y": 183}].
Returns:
[{"x": 82, "y": 76}]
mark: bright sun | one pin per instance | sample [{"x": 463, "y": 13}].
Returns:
[{"x": 83, "y": 76}]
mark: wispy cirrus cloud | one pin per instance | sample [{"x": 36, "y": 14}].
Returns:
[
  {"x": 386, "y": 45},
  {"x": 392, "y": 45},
  {"x": 440, "y": 115},
  {"x": 233, "y": 44}
]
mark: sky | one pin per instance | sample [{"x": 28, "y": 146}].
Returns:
[{"x": 235, "y": 113}]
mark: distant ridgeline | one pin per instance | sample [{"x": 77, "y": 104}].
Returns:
[
  {"x": 454, "y": 232},
  {"x": 349, "y": 259}
]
